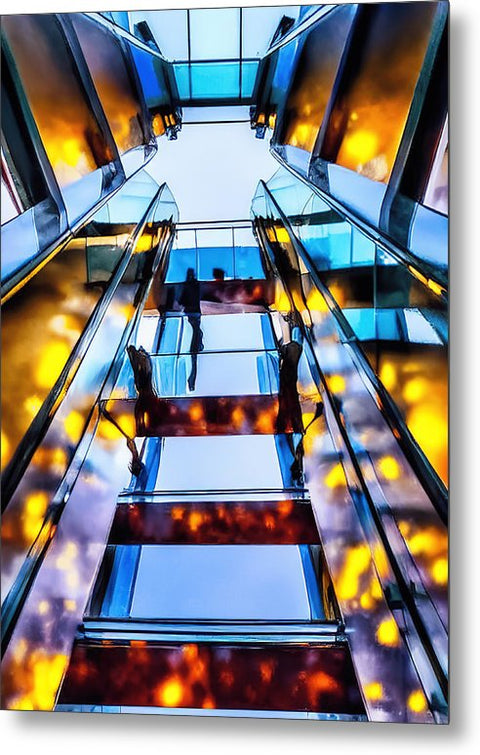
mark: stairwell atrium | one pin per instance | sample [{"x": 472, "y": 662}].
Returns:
[{"x": 225, "y": 369}]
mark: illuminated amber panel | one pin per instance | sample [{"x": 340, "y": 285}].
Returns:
[
  {"x": 151, "y": 416},
  {"x": 111, "y": 78},
  {"x": 416, "y": 376},
  {"x": 368, "y": 120},
  {"x": 314, "y": 78},
  {"x": 314, "y": 678},
  {"x": 284, "y": 522},
  {"x": 69, "y": 131},
  {"x": 40, "y": 326}
]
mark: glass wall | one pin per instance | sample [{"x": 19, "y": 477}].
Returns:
[
  {"x": 113, "y": 81},
  {"x": 372, "y": 105},
  {"x": 398, "y": 316},
  {"x": 72, "y": 137},
  {"x": 312, "y": 84}
]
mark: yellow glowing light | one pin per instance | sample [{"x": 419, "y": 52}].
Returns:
[
  {"x": 430, "y": 430},
  {"x": 73, "y": 425},
  {"x": 196, "y": 412},
  {"x": 356, "y": 563},
  {"x": 282, "y": 302},
  {"x": 336, "y": 383},
  {"x": 144, "y": 243},
  {"x": 366, "y": 601},
  {"x": 373, "y": 691},
  {"x": 416, "y": 389},
  {"x": 43, "y": 607},
  {"x": 127, "y": 423},
  {"x": 52, "y": 360},
  {"x": 36, "y": 504},
  {"x": 361, "y": 146},
  {"x": 282, "y": 235},
  {"x": 417, "y": 702},
  {"x": 32, "y": 404},
  {"x": 336, "y": 477},
  {"x": 389, "y": 467},
  {"x": 435, "y": 287},
  {"x": 71, "y": 152},
  {"x": 388, "y": 375},
  {"x": 440, "y": 571},
  {"x": 70, "y": 605},
  {"x": 5, "y": 443},
  {"x": 39, "y": 678},
  {"x": 157, "y": 125},
  {"x": 170, "y": 693},
  {"x": 238, "y": 417},
  {"x": 316, "y": 302},
  {"x": 418, "y": 275},
  {"x": 388, "y": 634},
  {"x": 428, "y": 542},
  {"x": 195, "y": 519}
]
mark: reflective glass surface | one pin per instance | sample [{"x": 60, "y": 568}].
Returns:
[
  {"x": 314, "y": 77},
  {"x": 369, "y": 116},
  {"x": 218, "y": 523},
  {"x": 283, "y": 677},
  {"x": 71, "y": 136},
  {"x": 107, "y": 65},
  {"x": 224, "y": 582},
  {"x": 219, "y": 463}
]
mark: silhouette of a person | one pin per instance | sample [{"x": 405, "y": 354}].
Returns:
[
  {"x": 142, "y": 371},
  {"x": 189, "y": 299},
  {"x": 289, "y": 418}
]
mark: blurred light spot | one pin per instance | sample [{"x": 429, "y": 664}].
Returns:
[
  {"x": 50, "y": 364},
  {"x": 361, "y": 146},
  {"x": 388, "y": 634},
  {"x": 388, "y": 375},
  {"x": 336, "y": 383},
  {"x": 170, "y": 693},
  {"x": 440, "y": 571},
  {"x": 389, "y": 467},
  {"x": 336, "y": 477},
  {"x": 73, "y": 424},
  {"x": 373, "y": 691},
  {"x": 357, "y": 561},
  {"x": 417, "y": 702}
]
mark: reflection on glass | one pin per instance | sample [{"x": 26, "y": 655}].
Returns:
[
  {"x": 38, "y": 334},
  {"x": 72, "y": 138},
  {"x": 238, "y": 523},
  {"x": 113, "y": 82},
  {"x": 314, "y": 77},
  {"x": 279, "y": 677},
  {"x": 370, "y": 113},
  {"x": 196, "y": 582}
]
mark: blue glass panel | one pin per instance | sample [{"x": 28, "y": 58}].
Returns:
[
  {"x": 180, "y": 261},
  {"x": 183, "y": 80},
  {"x": 218, "y": 258},
  {"x": 248, "y": 262},
  {"x": 215, "y": 80},
  {"x": 121, "y": 19},
  {"x": 249, "y": 71},
  {"x": 363, "y": 249},
  {"x": 150, "y": 73}
]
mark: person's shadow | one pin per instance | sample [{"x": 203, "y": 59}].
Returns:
[{"x": 189, "y": 299}]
